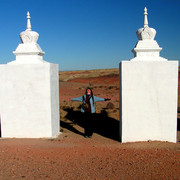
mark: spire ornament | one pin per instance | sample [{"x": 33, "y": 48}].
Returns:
[
  {"x": 145, "y": 17},
  {"x": 28, "y": 21},
  {"x": 29, "y": 36},
  {"x": 146, "y": 49},
  {"x": 146, "y": 32},
  {"x": 29, "y": 50}
]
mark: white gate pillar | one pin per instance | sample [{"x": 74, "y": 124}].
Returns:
[{"x": 148, "y": 92}]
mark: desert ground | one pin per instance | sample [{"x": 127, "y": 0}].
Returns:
[{"x": 72, "y": 156}]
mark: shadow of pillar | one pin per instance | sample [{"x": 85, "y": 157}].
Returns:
[
  {"x": 0, "y": 126},
  {"x": 101, "y": 122},
  {"x": 120, "y": 104}
]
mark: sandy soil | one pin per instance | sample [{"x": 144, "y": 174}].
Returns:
[{"x": 71, "y": 156}]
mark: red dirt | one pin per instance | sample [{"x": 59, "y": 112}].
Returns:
[
  {"x": 71, "y": 156},
  {"x": 105, "y": 80}
]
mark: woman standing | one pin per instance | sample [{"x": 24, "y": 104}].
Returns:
[{"x": 88, "y": 109}]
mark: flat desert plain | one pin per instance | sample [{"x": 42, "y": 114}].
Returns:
[{"x": 71, "y": 156}]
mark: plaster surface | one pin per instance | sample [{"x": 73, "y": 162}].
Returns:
[
  {"x": 29, "y": 91},
  {"x": 148, "y": 92},
  {"x": 29, "y": 105},
  {"x": 148, "y": 100}
]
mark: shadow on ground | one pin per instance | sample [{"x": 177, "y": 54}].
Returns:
[
  {"x": 178, "y": 129},
  {"x": 178, "y": 124},
  {"x": 102, "y": 124}
]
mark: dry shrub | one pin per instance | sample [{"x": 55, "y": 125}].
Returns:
[{"x": 110, "y": 105}]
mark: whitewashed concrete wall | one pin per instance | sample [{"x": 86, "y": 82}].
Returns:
[
  {"x": 148, "y": 92},
  {"x": 29, "y": 100},
  {"x": 148, "y": 100}
]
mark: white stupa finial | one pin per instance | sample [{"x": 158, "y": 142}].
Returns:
[
  {"x": 146, "y": 48},
  {"x": 29, "y": 50},
  {"x": 145, "y": 17},
  {"x": 28, "y": 21}
]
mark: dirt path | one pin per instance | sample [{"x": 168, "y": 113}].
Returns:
[{"x": 71, "y": 156}]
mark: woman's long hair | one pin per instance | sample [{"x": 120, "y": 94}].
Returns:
[{"x": 91, "y": 95}]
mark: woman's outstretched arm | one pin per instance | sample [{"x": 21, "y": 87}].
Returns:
[
  {"x": 96, "y": 99},
  {"x": 77, "y": 99}
]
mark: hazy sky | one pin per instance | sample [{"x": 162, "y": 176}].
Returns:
[{"x": 89, "y": 34}]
